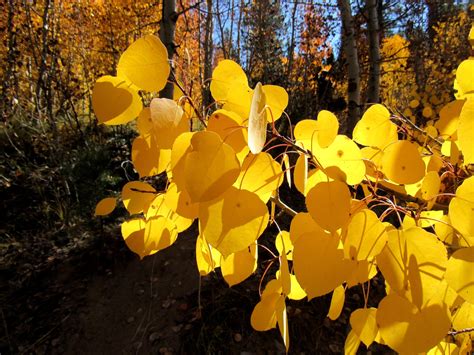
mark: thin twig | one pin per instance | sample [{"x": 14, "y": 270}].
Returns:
[
  {"x": 288, "y": 210},
  {"x": 465, "y": 330}
]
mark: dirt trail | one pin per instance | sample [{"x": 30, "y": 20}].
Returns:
[{"x": 107, "y": 301}]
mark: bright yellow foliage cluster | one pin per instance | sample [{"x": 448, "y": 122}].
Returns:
[{"x": 420, "y": 178}]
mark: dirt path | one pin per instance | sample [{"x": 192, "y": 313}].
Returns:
[{"x": 107, "y": 301}]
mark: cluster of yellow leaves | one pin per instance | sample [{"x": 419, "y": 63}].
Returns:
[{"x": 222, "y": 176}]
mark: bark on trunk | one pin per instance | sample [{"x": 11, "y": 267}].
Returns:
[
  {"x": 208, "y": 46},
  {"x": 350, "y": 50},
  {"x": 167, "y": 28},
  {"x": 373, "y": 90}
]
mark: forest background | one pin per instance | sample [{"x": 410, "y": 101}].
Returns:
[{"x": 57, "y": 161}]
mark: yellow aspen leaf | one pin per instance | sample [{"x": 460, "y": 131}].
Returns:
[
  {"x": 181, "y": 147},
  {"x": 273, "y": 286},
  {"x": 180, "y": 202},
  {"x": 461, "y": 208},
  {"x": 226, "y": 75},
  {"x": 337, "y": 302},
  {"x": 328, "y": 126},
  {"x": 444, "y": 230},
  {"x": 444, "y": 348},
  {"x": 115, "y": 101},
  {"x": 329, "y": 203},
  {"x": 364, "y": 324},
  {"x": 158, "y": 207},
  {"x": 240, "y": 265},
  {"x": 464, "y": 75},
  {"x": 168, "y": 121},
  {"x": 365, "y": 236},
  {"x": 296, "y": 293},
  {"x": 414, "y": 103},
  {"x": 445, "y": 295},
  {"x": 145, "y": 63},
  {"x": 300, "y": 173},
  {"x": 407, "y": 264},
  {"x": 286, "y": 168},
  {"x": 239, "y": 100},
  {"x": 137, "y": 196},
  {"x": 427, "y": 112},
  {"x": 165, "y": 113},
  {"x": 465, "y": 344},
  {"x": 260, "y": 174},
  {"x": 229, "y": 127},
  {"x": 304, "y": 132},
  {"x": 160, "y": 233},
  {"x": 284, "y": 271},
  {"x": 449, "y": 118},
  {"x": 466, "y": 129},
  {"x": 414, "y": 189},
  {"x": 463, "y": 318},
  {"x": 210, "y": 168},
  {"x": 281, "y": 239},
  {"x": 105, "y": 206},
  {"x": 144, "y": 122},
  {"x": 264, "y": 315},
  {"x": 430, "y": 186},
  {"x": 450, "y": 149},
  {"x": 434, "y": 163},
  {"x": 147, "y": 158},
  {"x": 234, "y": 221},
  {"x": 282, "y": 320},
  {"x": 460, "y": 273},
  {"x": 342, "y": 160},
  {"x": 362, "y": 271},
  {"x": 301, "y": 224},
  {"x": 402, "y": 163},
  {"x": 207, "y": 257},
  {"x": 133, "y": 232},
  {"x": 375, "y": 129},
  {"x": 406, "y": 329},
  {"x": 276, "y": 99},
  {"x": 236, "y": 120},
  {"x": 318, "y": 263},
  {"x": 351, "y": 344},
  {"x": 429, "y": 218},
  {"x": 257, "y": 132}
]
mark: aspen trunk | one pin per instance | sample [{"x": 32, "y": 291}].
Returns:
[
  {"x": 208, "y": 46},
  {"x": 373, "y": 90},
  {"x": 167, "y": 27},
  {"x": 350, "y": 50}
]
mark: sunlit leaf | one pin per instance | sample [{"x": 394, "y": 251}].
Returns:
[
  {"x": 260, "y": 174},
  {"x": 145, "y": 63},
  {"x": 105, "y": 206},
  {"x": 402, "y": 163},
  {"x": 406, "y": 329},
  {"x": 318, "y": 263},
  {"x": 407, "y": 264},
  {"x": 337, "y": 302},
  {"x": 234, "y": 221},
  {"x": 365, "y": 236},
  {"x": 375, "y": 129},
  {"x": 257, "y": 132},
  {"x": 466, "y": 129},
  {"x": 363, "y": 323},
  {"x": 210, "y": 168},
  {"x": 137, "y": 196},
  {"x": 460, "y": 273},
  {"x": 115, "y": 101},
  {"x": 329, "y": 204},
  {"x": 240, "y": 265}
]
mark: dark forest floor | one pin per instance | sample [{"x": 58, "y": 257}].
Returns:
[{"x": 101, "y": 299}]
